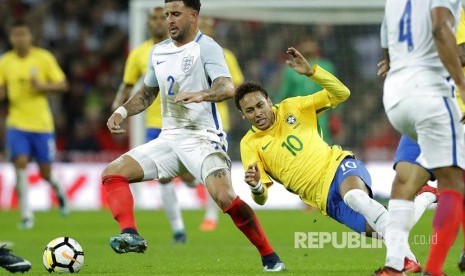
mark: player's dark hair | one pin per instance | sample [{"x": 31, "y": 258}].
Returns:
[
  {"x": 17, "y": 23},
  {"x": 246, "y": 88},
  {"x": 193, "y": 4}
]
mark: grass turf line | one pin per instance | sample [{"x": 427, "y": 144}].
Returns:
[{"x": 225, "y": 251}]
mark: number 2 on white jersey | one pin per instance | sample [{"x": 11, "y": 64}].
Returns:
[
  {"x": 405, "y": 26},
  {"x": 170, "y": 89}
]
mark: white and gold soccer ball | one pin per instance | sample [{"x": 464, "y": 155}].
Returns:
[{"x": 63, "y": 255}]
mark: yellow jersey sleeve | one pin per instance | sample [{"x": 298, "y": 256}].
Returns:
[
  {"x": 2, "y": 77},
  {"x": 234, "y": 68},
  {"x": 237, "y": 79},
  {"x": 460, "y": 36},
  {"x": 53, "y": 72},
  {"x": 132, "y": 72},
  {"x": 249, "y": 156},
  {"x": 334, "y": 92}
]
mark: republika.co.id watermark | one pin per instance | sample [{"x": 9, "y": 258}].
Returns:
[{"x": 339, "y": 240}]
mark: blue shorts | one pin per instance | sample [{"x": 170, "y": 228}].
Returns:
[
  {"x": 38, "y": 145},
  {"x": 335, "y": 206},
  {"x": 408, "y": 151},
  {"x": 152, "y": 133}
]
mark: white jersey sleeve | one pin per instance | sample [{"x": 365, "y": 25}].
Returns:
[
  {"x": 448, "y": 4},
  {"x": 150, "y": 78},
  {"x": 212, "y": 56}
]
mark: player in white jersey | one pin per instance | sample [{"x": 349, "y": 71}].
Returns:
[
  {"x": 190, "y": 73},
  {"x": 419, "y": 102}
]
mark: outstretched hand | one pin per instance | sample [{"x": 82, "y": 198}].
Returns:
[
  {"x": 252, "y": 175},
  {"x": 298, "y": 63}
]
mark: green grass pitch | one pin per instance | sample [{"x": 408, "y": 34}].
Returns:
[{"x": 223, "y": 252}]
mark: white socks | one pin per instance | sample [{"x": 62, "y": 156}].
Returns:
[
  {"x": 421, "y": 202},
  {"x": 375, "y": 213},
  {"x": 401, "y": 221},
  {"x": 212, "y": 209},
  {"x": 22, "y": 186},
  {"x": 171, "y": 207}
]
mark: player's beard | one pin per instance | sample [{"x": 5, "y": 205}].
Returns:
[{"x": 179, "y": 37}]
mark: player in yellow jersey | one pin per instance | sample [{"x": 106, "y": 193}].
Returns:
[
  {"x": 136, "y": 67},
  {"x": 284, "y": 145},
  {"x": 207, "y": 26},
  {"x": 28, "y": 75}
]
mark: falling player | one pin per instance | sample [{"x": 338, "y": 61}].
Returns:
[{"x": 284, "y": 144}]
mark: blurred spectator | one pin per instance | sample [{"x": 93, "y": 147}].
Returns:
[{"x": 90, "y": 41}]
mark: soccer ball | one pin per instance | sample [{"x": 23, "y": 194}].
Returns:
[{"x": 63, "y": 255}]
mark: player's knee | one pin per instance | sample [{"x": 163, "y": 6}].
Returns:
[
  {"x": 352, "y": 197},
  {"x": 225, "y": 199},
  {"x": 223, "y": 196},
  {"x": 20, "y": 162},
  {"x": 124, "y": 166}
]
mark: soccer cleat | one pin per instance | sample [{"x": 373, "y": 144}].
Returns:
[
  {"x": 179, "y": 237},
  {"x": 429, "y": 189},
  {"x": 128, "y": 242},
  {"x": 411, "y": 266},
  {"x": 462, "y": 261},
  {"x": 208, "y": 225},
  {"x": 272, "y": 263},
  {"x": 26, "y": 224},
  {"x": 387, "y": 271},
  {"x": 13, "y": 263}
]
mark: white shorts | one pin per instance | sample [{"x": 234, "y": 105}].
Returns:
[
  {"x": 434, "y": 122},
  {"x": 176, "y": 152}
]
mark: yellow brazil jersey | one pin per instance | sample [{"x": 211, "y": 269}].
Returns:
[
  {"x": 136, "y": 67},
  {"x": 28, "y": 108},
  {"x": 238, "y": 79},
  {"x": 291, "y": 151},
  {"x": 460, "y": 36}
]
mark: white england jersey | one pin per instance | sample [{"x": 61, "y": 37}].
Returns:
[
  {"x": 407, "y": 33},
  {"x": 189, "y": 68}
]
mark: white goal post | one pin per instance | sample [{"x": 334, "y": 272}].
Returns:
[{"x": 336, "y": 12}]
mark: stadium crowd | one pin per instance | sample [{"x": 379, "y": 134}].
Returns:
[{"x": 90, "y": 41}]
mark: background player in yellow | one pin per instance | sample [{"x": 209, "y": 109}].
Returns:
[
  {"x": 207, "y": 26},
  {"x": 284, "y": 144},
  {"x": 136, "y": 67},
  {"x": 28, "y": 75}
]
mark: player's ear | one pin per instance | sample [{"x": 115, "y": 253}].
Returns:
[{"x": 194, "y": 16}]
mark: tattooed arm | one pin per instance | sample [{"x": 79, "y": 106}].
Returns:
[
  {"x": 136, "y": 104},
  {"x": 222, "y": 89},
  {"x": 141, "y": 100}
]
